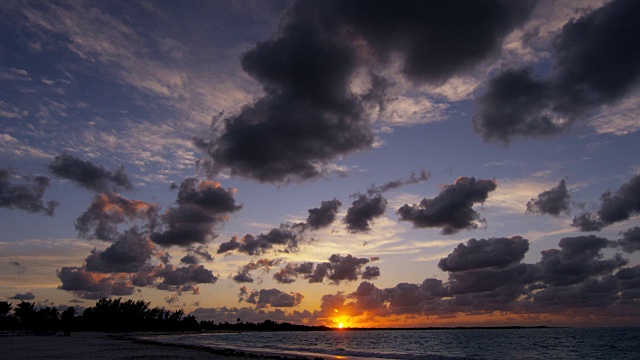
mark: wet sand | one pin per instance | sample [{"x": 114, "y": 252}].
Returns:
[{"x": 102, "y": 346}]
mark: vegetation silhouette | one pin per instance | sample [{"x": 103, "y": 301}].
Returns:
[{"x": 117, "y": 315}]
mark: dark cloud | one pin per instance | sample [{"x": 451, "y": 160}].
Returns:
[
  {"x": 289, "y": 273},
  {"x": 195, "y": 254},
  {"x": 109, "y": 210},
  {"x": 184, "y": 278},
  {"x": 630, "y": 241},
  {"x": 413, "y": 179},
  {"x": 324, "y": 215},
  {"x": 338, "y": 268},
  {"x": 27, "y": 196},
  {"x": 89, "y": 175},
  {"x": 90, "y": 285},
  {"x": 452, "y": 209},
  {"x": 308, "y": 115},
  {"x": 578, "y": 259},
  {"x": 287, "y": 236},
  {"x": 595, "y": 64},
  {"x": 613, "y": 207},
  {"x": 435, "y": 40},
  {"x": 370, "y": 272},
  {"x": 265, "y": 298},
  {"x": 26, "y": 296},
  {"x": 199, "y": 208},
  {"x": 189, "y": 259},
  {"x": 345, "y": 267},
  {"x": 489, "y": 253},
  {"x": 552, "y": 202},
  {"x": 244, "y": 272},
  {"x": 362, "y": 211},
  {"x": 203, "y": 252},
  {"x": 129, "y": 253}
]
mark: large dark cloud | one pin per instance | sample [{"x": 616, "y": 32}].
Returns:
[
  {"x": 485, "y": 253},
  {"x": 452, "y": 209},
  {"x": 362, "y": 211},
  {"x": 394, "y": 184},
  {"x": 109, "y": 210},
  {"x": 596, "y": 63},
  {"x": 308, "y": 115},
  {"x": 324, "y": 215},
  {"x": 89, "y": 175},
  {"x": 265, "y": 298},
  {"x": 27, "y": 196},
  {"x": 199, "y": 208},
  {"x": 287, "y": 236},
  {"x": 129, "y": 253},
  {"x": 553, "y": 201},
  {"x": 613, "y": 207},
  {"x": 436, "y": 40}
]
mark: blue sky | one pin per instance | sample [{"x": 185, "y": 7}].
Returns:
[{"x": 276, "y": 107}]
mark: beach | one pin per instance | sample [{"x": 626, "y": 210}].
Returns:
[{"x": 104, "y": 346}]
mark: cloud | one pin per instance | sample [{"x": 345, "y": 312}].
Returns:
[
  {"x": 577, "y": 259},
  {"x": 613, "y": 207},
  {"x": 452, "y": 208},
  {"x": 306, "y": 118},
  {"x": 289, "y": 273},
  {"x": 589, "y": 71},
  {"x": 90, "y": 285},
  {"x": 89, "y": 175},
  {"x": 553, "y": 201},
  {"x": 487, "y": 276},
  {"x": 108, "y": 210},
  {"x": 27, "y": 296},
  {"x": 27, "y": 196},
  {"x": 339, "y": 268},
  {"x": 324, "y": 215},
  {"x": 199, "y": 208},
  {"x": 630, "y": 241},
  {"x": 265, "y": 298},
  {"x": 252, "y": 314},
  {"x": 129, "y": 253},
  {"x": 362, "y": 211},
  {"x": 308, "y": 115},
  {"x": 370, "y": 272},
  {"x": 287, "y": 236},
  {"x": 243, "y": 275},
  {"x": 184, "y": 278},
  {"x": 413, "y": 179},
  {"x": 485, "y": 253}
]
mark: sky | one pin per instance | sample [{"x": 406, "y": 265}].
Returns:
[{"x": 322, "y": 162}]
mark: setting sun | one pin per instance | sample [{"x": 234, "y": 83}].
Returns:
[{"x": 340, "y": 326}]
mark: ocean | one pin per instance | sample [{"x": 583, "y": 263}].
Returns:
[{"x": 539, "y": 343}]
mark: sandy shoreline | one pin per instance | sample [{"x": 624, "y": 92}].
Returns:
[{"x": 103, "y": 346}]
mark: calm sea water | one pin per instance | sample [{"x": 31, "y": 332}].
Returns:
[{"x": 580, "y": 343}]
